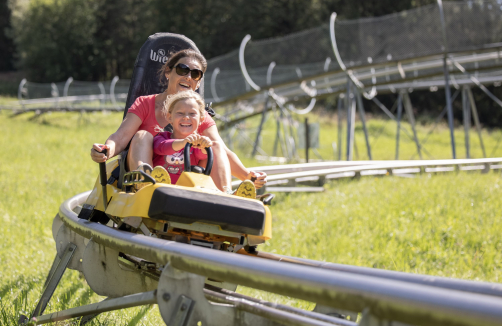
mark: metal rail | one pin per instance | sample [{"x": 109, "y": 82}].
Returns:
[
  {"x": 59, "y": 100},
  {"x": 408, "y": 298},
  {"x": 340, "y": 169}
]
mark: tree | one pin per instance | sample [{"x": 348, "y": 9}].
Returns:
[
  {"x": 56, "y": 40},
  {"x": 97, "y": 39},
  {"x": 6, "y": 43}
]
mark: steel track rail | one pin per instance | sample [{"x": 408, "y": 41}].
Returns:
[
  {"x": 493, "y": 289},
  {"x": 332, "y": 170},
  {"x": 401, "y": 300}
]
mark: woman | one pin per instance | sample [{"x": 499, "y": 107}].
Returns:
[{"x": 183, "y": 71}]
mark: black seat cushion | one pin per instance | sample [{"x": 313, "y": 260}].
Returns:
[
  {"x": 185, "y": 206},
  {"x": 152, "y": 55}
]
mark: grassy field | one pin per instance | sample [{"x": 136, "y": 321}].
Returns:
[{"x": 444, "y": 225}]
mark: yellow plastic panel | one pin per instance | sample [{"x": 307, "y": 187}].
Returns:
[
  {"x": 267, "y": 232},
  {"x": 191, "y": 179}
]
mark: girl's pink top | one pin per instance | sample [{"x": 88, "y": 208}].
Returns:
[
  {"x": 144, "y": 108},
  {"x": 173, "y": 161}
]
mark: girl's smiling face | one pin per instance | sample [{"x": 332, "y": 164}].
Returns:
[{"x": 185, "y": 118}]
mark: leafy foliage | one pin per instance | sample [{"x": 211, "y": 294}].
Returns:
[
  {"x": 97, "y": 39},
  {"x": 6, "y": 44}
]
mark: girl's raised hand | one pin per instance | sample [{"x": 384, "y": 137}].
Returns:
[
  {"x": 204, "y": 142},
  {"x": 199, "y": 141},
  {"x": 192, "y": 139}
]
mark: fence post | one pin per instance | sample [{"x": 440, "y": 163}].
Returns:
[
  {"x": 307, "y": 140},
  {"x": 284, "y": 142},
  {"x": 351, "y": 119},
  {"x": 20, "y": 92},
  {"x": 277, "y": 131},
  {"x": 447, "y": 79},
  {"x": 103, "y": 95},
  {"x": 363, "y": 121},
  {"x": 260, "y": 128},
  {"x": 271, "y": 67},
  {"x": 411, "y": 118},
  {"x": 65, "y": 91},
  {"x": 476, "y": 119},
  {"x": 216, "y": 71},
  {"x": 399, "y": 114},
  {"x": 244, "y": 71},
  {"x": 340, "y": 124},
  {"x": 466, "y": 110},
  {"x": 112, "y": 92},
  {"x": 326, "y": 68},
  {"x": 55, "y": 94}
]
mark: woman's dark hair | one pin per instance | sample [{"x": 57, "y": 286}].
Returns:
[{"x": 175, "y": 57}]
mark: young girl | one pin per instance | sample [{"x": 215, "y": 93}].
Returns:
[{"x": 183, "y": 111}]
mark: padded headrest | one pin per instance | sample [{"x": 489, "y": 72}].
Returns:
[{"x": 152, "y": 55}]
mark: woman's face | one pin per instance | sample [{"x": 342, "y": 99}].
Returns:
[
  {"x": 179, "y": 83},
  {"x": 185, "y": 118}
]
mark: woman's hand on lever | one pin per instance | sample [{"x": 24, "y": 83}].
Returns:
[
  {"x": 260, "y": 178},
  {"x": 96, "y": 154}
]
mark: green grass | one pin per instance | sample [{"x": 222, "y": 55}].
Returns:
[
  {"x": 444, "y": 225},
  {"x": 5, "y": 100}
]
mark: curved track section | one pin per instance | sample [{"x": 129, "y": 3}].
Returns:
[{"x": 183, "y": 299}]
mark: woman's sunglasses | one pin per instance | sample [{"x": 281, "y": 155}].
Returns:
[{"x": 183, "y": 70}]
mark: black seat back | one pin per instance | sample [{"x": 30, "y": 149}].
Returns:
[{"x": 152, "y": 55}]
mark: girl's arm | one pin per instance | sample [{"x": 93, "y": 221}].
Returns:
[
  {"x": 163, "y": 145},
  {"x": 166, "y": 146}
]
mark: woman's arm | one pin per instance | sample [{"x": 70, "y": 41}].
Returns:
[
  {"x": 221, "y": 172},
  {"x": 203, "y": 163},
  {"x": 237, "y": 168},
  {"x": 241, "y": 172},
  {"x": 117, "y": 141}
]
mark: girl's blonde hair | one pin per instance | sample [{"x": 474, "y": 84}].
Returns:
[{"x": 185, "y": 95}]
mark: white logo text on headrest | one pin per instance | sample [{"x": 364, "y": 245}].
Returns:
[{"x": 160, "y": 56}]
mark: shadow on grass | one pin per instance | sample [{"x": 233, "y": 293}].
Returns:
[
  {"x": 144, "y": 310},
  {"x": 20, "y": 283},
  {"x": 68, "y": 295},
  {"x": 104, "y": 320}
]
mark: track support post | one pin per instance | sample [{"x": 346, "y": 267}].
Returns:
[
  {"x": 260, "y": 128},
  {"x": 362, "y": 116},
  {"x": 182, "y": 300},
  {"x": 58, "y": 268},
  {"x": 399, "y": 114},
  {"x": 340, "y": 124},
  {"x": 449, "y": 109},
  {"x": 411, "y": 119},
  {"x": 467, "y": 120},
  {"x": 351, "y": 119},
  {"x": 474, "y": 111}
]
